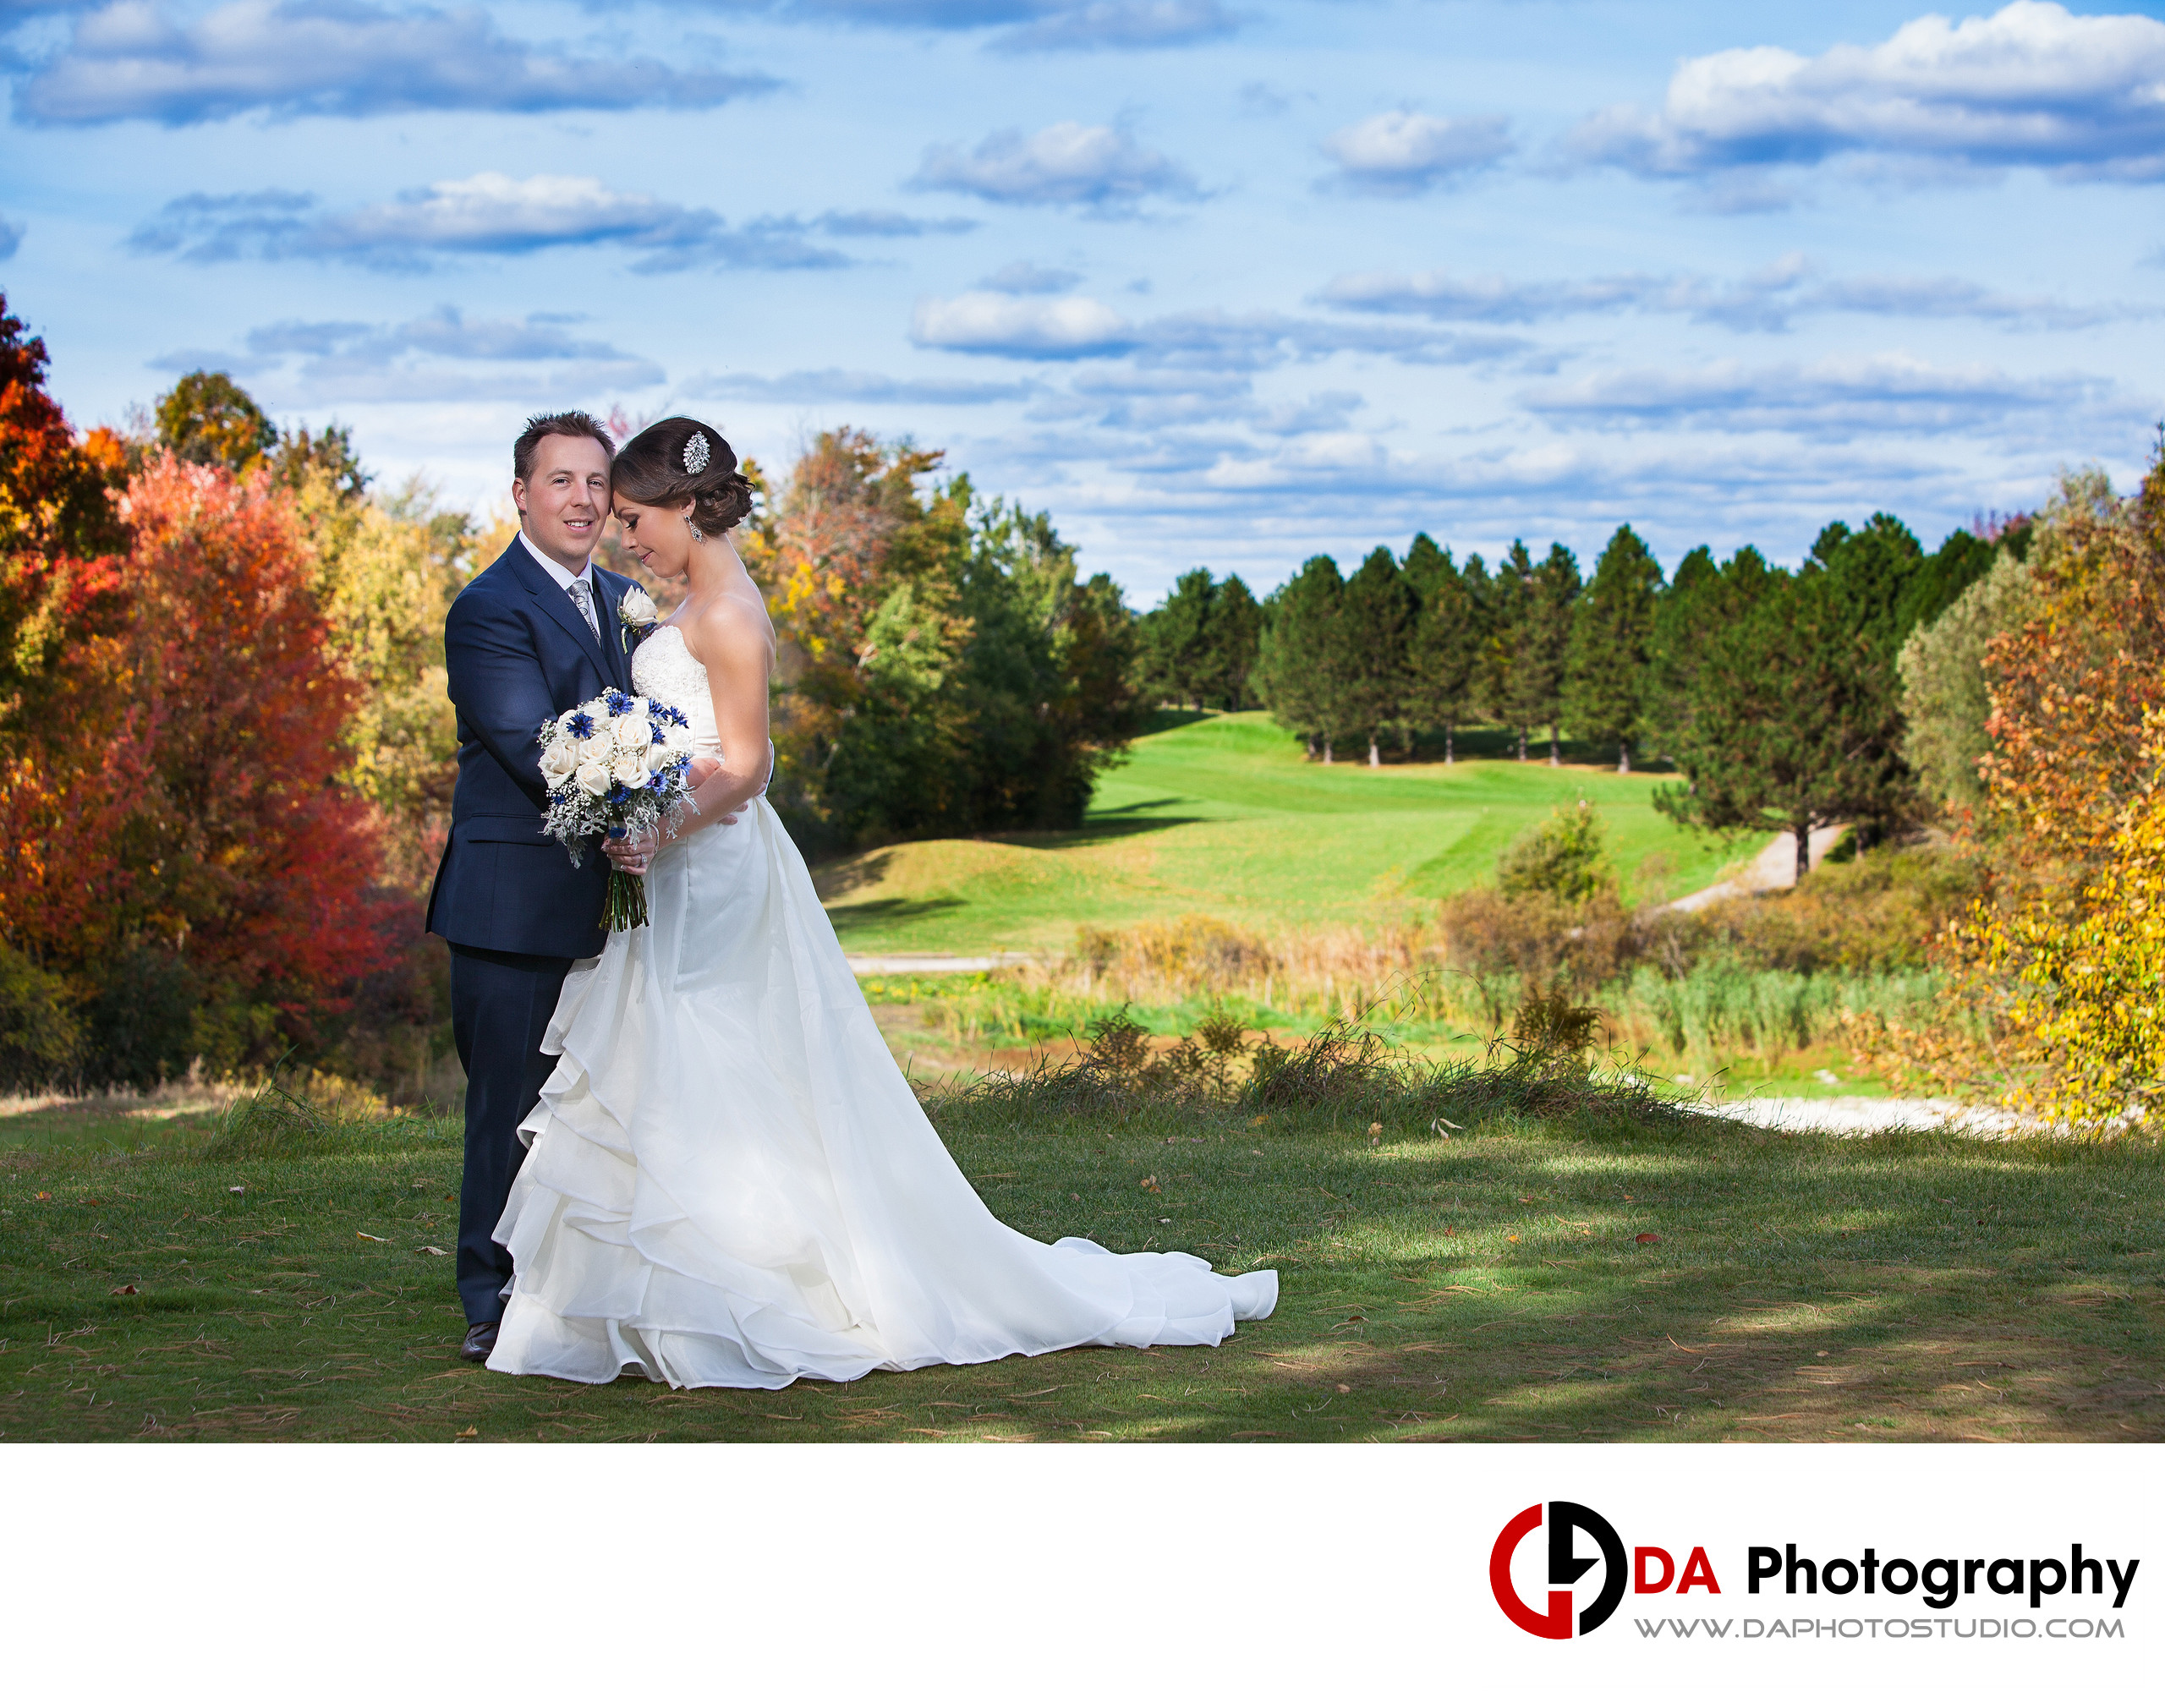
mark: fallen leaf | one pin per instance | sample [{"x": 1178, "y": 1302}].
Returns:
[
  {"x": 1164, "y": 1221},
  {"x": 380, "y": 1239},
  {"x": 1345, "y": 1387},
  {"x": 469, "y": 1433},
  {"x": 1513, "y": 1238},
  {"x": 431, "y": 1251},
  {"x": 1450, "y": 1230},
  {"x": 91, "y": 1201},
  {"x": 242, "y": 1189},
  {"x": 123, "y": 1292},
  {"x": 43, "y": 1196},
  {"x": 1648, "y": 1239},
  {"x": 1148, "y": 1183},
  {"x": 1259, "y": 1120},
  {"x": 1374, "y": 1127}
]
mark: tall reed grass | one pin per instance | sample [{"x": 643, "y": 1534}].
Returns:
[{"x": 1401, "y": 982}]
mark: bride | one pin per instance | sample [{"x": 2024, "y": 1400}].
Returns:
[{"x": 729, "y": 1183}]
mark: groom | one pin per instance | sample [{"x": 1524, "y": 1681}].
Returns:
[{"x": 533, "y": 635}]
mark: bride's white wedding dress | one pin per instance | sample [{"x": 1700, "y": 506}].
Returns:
[{"x": 730, "y": 1183}]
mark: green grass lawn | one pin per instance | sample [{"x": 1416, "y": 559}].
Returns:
[
  {"x": 1224, "y": 815},
  {"x": 1494, "y": 1286}
]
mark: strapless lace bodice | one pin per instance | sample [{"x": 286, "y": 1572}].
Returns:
[{"x": 663, "y": 669}]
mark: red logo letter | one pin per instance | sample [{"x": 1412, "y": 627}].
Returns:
[
  {"x": 1699, "y": 1570},
  {"x": 1557, "y": 1621},
  {"x": 1640, "y": 1557}
]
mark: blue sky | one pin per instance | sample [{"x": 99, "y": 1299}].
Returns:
[{"x": 1218, "y": 282}]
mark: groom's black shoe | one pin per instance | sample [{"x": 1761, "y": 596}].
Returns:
[{"x": 480, "y": 1342}]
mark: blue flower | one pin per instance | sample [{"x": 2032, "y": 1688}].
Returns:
[
  {"x": 617, "y": 701},
  {"x": 579, "y": 725}
]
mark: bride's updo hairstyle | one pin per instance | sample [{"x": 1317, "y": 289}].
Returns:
[{"x": 679, "y": 461}]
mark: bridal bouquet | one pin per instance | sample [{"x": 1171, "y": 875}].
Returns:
[{"x": 617, "y": 766}]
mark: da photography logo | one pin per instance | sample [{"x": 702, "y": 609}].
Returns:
[{"x": 1567, "y": 1525}]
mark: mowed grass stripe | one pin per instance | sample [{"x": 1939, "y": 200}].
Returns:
[{"x": 1223, "y": 815}]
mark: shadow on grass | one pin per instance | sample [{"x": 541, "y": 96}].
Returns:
[{"x": 859, "y": 916}]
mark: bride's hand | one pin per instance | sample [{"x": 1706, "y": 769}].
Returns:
[{"x": 704, "y": 766}]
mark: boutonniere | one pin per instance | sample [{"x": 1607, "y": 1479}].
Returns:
[{"x": 637, "y": 616}]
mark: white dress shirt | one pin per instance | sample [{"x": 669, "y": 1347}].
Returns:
[{"x": 563, "y": 578}]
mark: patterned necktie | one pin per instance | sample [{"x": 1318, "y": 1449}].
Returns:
[{"x": 584, "y": 600}]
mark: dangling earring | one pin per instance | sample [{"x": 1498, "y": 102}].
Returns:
[{"x": 696, "y": 535}]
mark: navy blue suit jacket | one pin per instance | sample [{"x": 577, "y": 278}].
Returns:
[{"x": 518, "y": 653}]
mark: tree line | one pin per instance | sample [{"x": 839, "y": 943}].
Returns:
[
  {"x": 1774, "y": 691},
  {"x": 227, "y": 754}
]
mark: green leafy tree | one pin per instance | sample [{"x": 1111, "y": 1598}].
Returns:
[
  {"x": 1946, "y": 698},
  {"x": 1042, "y": 675},
  {"x": 209, "y": 420},
  {"x": 1609, "y": 640},
  {"x": 1376, "y": 621},
  {"x": 1294, "y": 667},
  {"x": 1445, "y": 672},
  {"x": 301, "y": 457}
]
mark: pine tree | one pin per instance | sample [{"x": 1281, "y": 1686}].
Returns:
[
  {"x": 1294, "y": 668},
  {"x": 1509, "y": 631},
  {"x": 1375, "y": 634},
  {"x": 1546, "y": 646},
  {"x": 1447, "y": 640},
  {"x": 1234, "y": 634},
  {"x": 1701, "y": 600},
  {"x": 1177, "y": 642},
  {"x": 1609, "y": 640},
  {"x": 1794, "y": 721}
]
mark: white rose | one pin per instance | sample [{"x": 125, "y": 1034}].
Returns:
[
  {"x": 642, "y": 707},
  {"x": 630, "y": 770},
  {"x": 637, "y": 609},
  {"x": 657, "y": 757},
  {"x": 593, "y": 777},
  {"x": 677, "y": 738},
  {"x": 629, "y": 733},
  {"x": 559, "y": 759},
  {"x": 598, "y": 748}
]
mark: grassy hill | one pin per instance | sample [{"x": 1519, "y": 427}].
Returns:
[{"x": 1224, "y": 815}]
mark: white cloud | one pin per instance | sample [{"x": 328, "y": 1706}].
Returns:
[
  {"x": 1402, "y": 153},
  {"x": 441, "y": 357},
  {"x": 11, "y": 240},
  {"x": 2032, "y": 85},
  {"x": 991, "y": 323},
  {"x": 845, "y": 386},
  {"x": 493, "y": 213},
  {"x": 1026, "y": 279},
  {"x": 1766, "y": 300},
  {"x": 134, "y": 59},
  {"x": 1838, "y": 398},
  {"x": 1102, "y": 168},
  {"x": 1121, "y": 23}
]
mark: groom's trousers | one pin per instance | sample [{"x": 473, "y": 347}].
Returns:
[{"x": 500, "y": 1008}]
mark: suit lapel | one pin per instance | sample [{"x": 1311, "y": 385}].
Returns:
[
  {"x": 609, "y": 591},
  {"x": 556, "y": 605}
]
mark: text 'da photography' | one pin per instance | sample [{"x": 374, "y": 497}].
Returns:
[{"x": 1282, "y": 728}]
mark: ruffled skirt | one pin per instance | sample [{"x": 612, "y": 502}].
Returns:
[{"x": 729, "y": 1182}]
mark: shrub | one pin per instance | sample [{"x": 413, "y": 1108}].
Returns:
[
  {"x": 1564, "y": 858},
  {"x": 39, "y": 1035}
]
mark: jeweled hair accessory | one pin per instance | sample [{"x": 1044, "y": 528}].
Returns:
[{"x": 696, "y": 453}]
